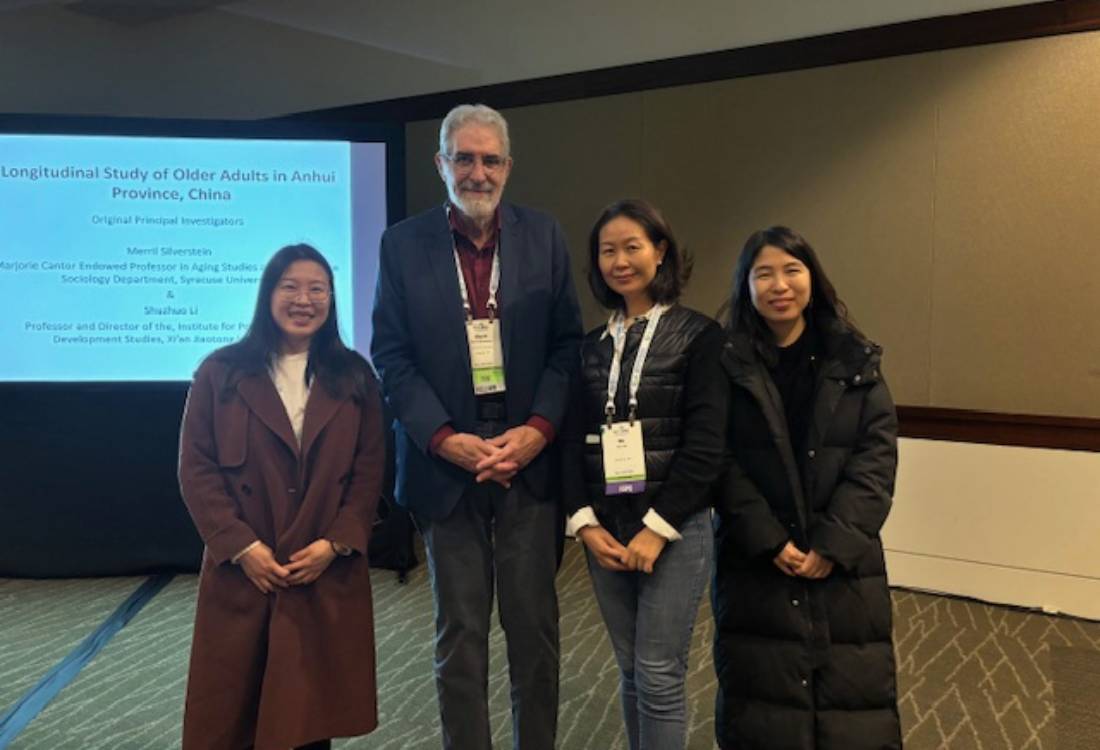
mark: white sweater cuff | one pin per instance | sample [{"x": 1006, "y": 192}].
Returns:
[
  {"x": 655, "y": 523},
  {"x": 586, "y": 516}
]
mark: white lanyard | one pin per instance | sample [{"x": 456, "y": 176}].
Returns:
[
  {"x": 617, "y": 327},
  {"x": 494, "y": 283}
]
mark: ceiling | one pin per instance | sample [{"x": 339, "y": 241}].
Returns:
[{"x": 258, "y": 58}]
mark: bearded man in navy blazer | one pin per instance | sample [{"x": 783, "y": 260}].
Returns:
[{"x": 476, "y": 337}]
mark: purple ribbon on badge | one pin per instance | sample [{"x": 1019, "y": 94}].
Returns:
[{"x": 628, "y": 487}]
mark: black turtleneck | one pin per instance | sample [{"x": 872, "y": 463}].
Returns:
[{"x": 794, "y": 375}]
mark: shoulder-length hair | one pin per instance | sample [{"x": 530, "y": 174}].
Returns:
[
  {"x": 739, "y": 314},
  {"x": 340, "y": 370},
  {"x": 674, "y": 271}
]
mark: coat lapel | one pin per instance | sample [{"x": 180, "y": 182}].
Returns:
[
  {"x": 509, "y": 248},
  {"x": 829, "y": 389},
  {"x": 851, "y": 360},
  {"x": 320, "y": 409},
  {"x": 439, "y": 249},
  {"x": 259, "y": 393}
]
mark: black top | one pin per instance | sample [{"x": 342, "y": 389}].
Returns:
[{"x": 795, "y": 375}]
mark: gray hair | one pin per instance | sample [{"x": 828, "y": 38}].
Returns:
[{"x": 473, "y": 114}]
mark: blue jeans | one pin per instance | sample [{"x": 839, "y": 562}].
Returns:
[{"x": 649, "y": 619}]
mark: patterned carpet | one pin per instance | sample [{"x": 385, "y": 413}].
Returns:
[
  {"x": 42, "y": 621},
  {"x": 977, "y": 676},
  {"x": 970, "y": 675}
]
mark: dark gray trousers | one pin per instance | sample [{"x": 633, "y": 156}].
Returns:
[{"x": 509, "y": 538}]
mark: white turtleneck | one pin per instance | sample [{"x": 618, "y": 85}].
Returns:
[{"x": 288, "y": 372}]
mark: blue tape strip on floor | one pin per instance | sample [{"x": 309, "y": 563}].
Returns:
[{"x": 16, "y": 718}]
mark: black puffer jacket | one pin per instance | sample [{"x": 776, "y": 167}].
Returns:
[
  {"x": 683, "y": 432},
  {"x": 801, "y": 663}
]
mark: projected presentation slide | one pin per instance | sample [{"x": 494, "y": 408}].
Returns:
[{"x": 130, "y": 259}]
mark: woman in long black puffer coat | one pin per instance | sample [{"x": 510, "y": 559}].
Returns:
[{"x": 803, "y": 646}]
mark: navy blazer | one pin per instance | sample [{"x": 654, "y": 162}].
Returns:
[{"x": 419, "y": 346}]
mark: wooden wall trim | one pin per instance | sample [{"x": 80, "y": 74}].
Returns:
[
  {"x": 911, "y": 37},
  {"x": 1025, "y": 430}
]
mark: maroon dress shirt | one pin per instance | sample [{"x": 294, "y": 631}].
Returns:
[{"x": 477, "y": 271}]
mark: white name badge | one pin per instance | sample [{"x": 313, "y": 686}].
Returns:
[
  {"x": 623, "y": 458},
  {"x": 486, "y": 355}
]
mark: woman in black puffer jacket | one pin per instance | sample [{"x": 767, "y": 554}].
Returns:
[
  {"x": 803, "y": 646},
  {"x": 641, "y": 463}
]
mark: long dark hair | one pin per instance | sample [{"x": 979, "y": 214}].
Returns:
[
  {"x": 672, "y": 274},
  {"x": 340, "y": 370},
  {"x": 738, "y": 313}
]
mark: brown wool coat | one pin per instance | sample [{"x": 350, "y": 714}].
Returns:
[{"x": 282, "y": 669}]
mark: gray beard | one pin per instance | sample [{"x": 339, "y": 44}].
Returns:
[{"x": 480, "y": 211}]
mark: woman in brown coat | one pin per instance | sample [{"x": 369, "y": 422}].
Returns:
[{"x": 281, "y": 458}]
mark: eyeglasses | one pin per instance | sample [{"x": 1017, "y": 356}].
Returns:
[
  {"x": 464, "y": 161},
  {"x": 293, "y": 292}
]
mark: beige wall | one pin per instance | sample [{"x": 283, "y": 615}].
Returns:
[{"x": 951, "y": 195}]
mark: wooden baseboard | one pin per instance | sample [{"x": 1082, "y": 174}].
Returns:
[{"x": 1026, "y": 430}]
